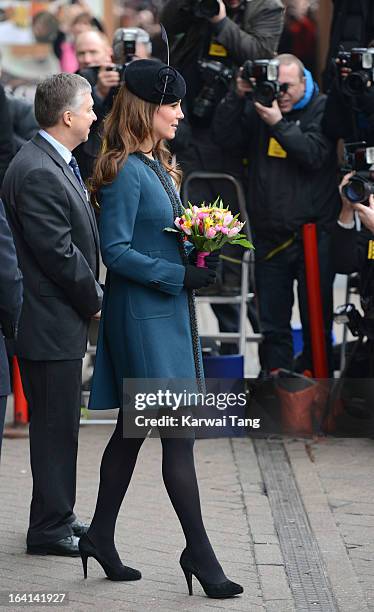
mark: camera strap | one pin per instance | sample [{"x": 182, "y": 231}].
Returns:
[{"x": 279, "y": 248}]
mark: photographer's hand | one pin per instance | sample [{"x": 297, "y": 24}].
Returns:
[
  {"x": 221, "y": 15},
  {"x": 366, "y": 213},
  {"x": 106, "y": 79},
  {"x": 271, "y": 115},
  {"x": 242, "y": 86},
  {"x": 347, "y": 211}
]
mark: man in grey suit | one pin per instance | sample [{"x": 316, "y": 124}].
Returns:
[
  {"x": 57, "y": 244},
  {"x": 10, "y": 306}
]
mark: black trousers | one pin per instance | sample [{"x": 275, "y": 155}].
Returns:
[
  {"x": 53, "y": 392},
  {"x": 274, "y": 282}
]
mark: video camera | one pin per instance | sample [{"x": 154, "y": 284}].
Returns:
[
  {"x": 206, "y": 8},
  {"x": 216, "y": 77},
  {"x": 360, "y": 158},
  {"x": 265, "y": 73},
  {"x": 361, "y": 63}
]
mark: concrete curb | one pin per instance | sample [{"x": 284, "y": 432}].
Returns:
[{"x": 343, "y": 580}]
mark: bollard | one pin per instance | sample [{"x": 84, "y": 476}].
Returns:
[
  {"x": 317, "y": 332},
  {"x": 21, "y": 413}
]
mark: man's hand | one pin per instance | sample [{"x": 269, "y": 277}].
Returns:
[
  {"x": 243, "y": 87},
  {"x": 97, "y": 316},
  {"x": 271, "y": 115},
  {"x": 221, "y": 15},
  {"x": 366, "y": 213},
  {"x": 347, "y": 211},
  {"x": 106, "y": 79}
]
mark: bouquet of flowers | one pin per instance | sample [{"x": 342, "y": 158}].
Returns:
[{"x": 208, "y": 227}]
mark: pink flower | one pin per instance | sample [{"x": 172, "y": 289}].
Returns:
[
  {"x": 177, "y": 223},
  {"x": 210, "y": 233},
  {"x": 227, "y": 219},
  {"x": 224, "y": 230},
  {"x": 233, "y": 231}
]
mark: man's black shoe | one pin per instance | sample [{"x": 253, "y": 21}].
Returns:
[
  {"x": 67, "y": 547},
  {"x": 79, "y": 528}
]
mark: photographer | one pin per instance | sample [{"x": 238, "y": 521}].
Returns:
[
  {"x": 292, "y": 181},
  {"x": 352, "y": 25},
  {"x": 349, "y": 111},
  {"x": 101, "y": 66},
  {"x": 209, "y": 40},
  {"x": 353, "y": 251},
  {"x": 350, "y": 248}
]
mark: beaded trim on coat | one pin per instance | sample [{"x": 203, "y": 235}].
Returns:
[{"x": 168, "y": 185}]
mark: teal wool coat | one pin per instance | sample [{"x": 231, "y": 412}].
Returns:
[{"x": 148, "y": 323}]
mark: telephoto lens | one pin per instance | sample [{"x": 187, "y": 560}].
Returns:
[
  {"x": 358, "y": 189},
  {"x": 206, "y": 8}
]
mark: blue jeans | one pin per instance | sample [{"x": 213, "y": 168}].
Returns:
[{"x": 274, "y": 283}]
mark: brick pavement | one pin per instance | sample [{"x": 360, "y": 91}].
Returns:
[
  {"x": 148, "y": 533},
  {"x": 237, "y": 514}
]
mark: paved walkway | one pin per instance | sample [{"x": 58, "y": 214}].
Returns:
[{"x": 335, "y": 479}]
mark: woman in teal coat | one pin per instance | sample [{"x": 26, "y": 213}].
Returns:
[{"x": 148, "y": 327}]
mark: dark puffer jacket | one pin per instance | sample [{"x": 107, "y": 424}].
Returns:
[{"x": 283, "y": 192}]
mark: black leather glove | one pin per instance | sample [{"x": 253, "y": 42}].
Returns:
[
  {"x": 212, "y": 260},
  {"x": 196, "y": 278}
]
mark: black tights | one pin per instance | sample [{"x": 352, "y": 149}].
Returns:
[{"x": 178, "y": 471}]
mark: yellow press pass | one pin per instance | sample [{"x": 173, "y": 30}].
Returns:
[
  {"x": 275, "y": 149},
  {"x": 217, "y": 50},
  {"x": 371, "y": 249}
]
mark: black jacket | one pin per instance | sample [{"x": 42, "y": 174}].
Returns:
[
  {"x": 10, "y": 296},
  {"x": 57, "y": 244},
  {"x": 350, "y": 253},
  {"x": 23, "y": 120},
  {"x": 347, "y": 117},
  {"x": 283, "y": 192}
]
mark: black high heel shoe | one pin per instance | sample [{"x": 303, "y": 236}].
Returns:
[
  {"x": 222, "y": 590},
  {"x": 117, "y": 572}
]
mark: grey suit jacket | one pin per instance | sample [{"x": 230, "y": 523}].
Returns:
[
  {"x": 10, "y": 296},
  {"x": 57, "y": 244},
  {"x": 257, "y": 37}
]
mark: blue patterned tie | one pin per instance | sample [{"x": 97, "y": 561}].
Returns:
[{"x": 74, "y": 166}]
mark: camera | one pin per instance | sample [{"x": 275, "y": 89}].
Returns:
[
  {"x": 358, "y": 325},
  {"x": 265, "y": 73},
  {"x": 361, "y": 63},
  {"x": 360, "y": 158},
  {"x": 216, "y": 77},
  {"x": 124, "y": 45},
  {"x": 206, "y": 8}
]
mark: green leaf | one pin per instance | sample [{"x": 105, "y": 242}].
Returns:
[
  {"x": 171, "y": 229},
  {"x": 244, "y": 243}
]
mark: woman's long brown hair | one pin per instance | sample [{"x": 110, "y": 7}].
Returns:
[{"x": 126, "y": 127}]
